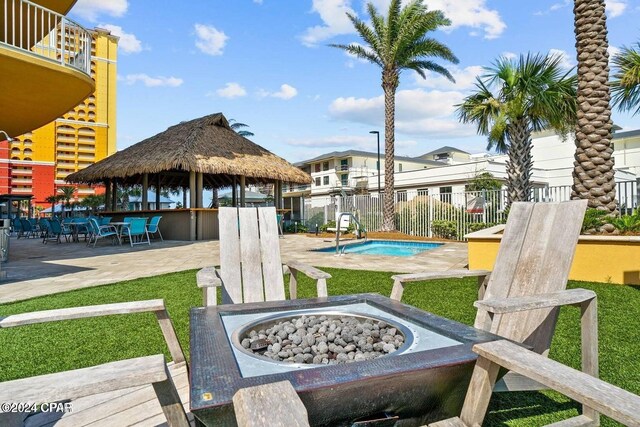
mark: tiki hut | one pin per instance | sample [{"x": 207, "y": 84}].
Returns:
[{"x": 203, "y": 153}]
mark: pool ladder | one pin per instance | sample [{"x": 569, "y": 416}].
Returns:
[{"x": 359, "y": 227}]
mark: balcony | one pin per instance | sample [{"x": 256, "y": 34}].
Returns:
[
  {"x": 45, "y": 61},
  {"x": 298, "y": 189}
]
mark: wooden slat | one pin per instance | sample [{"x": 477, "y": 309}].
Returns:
[
  {"x": 273, "y": 405},
  {"x": 170, "y": 336},
  {"x": 479, "y": 392},
  {"x": 252, "y": 284},
  {"x": 589, "y": 338},
  {"x": 308, "y": 270},
  {"x": 579, "y": 421},
  {"x": 270, "y": 253},
  {"x": 170, "y": 402},
  {"x": 605, "y": 398},
  {"x": 450, "y": 422},
  {"x": 81, "y": 312},
  {"x": 230, "y": 267},
  {"x": 86, "y": 381},
  {"x": 532, "y": 302}
]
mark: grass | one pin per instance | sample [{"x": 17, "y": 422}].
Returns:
[{"x": 39, "y": 349}]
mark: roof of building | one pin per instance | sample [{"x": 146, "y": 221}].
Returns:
[
  {"x": 627, "y": 134},
  {"x": 443, "y": 150},
  {"x": 207, "y": 145},
  {"x": 352, "y": 153}
]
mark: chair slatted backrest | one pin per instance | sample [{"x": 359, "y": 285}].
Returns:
[
  {"x": 250, "y": 264},
  {"x": 535, "y": 257}
]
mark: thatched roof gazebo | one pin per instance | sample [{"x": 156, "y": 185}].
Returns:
[{"x": 196, "y": 154}]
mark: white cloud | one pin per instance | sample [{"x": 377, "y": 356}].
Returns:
[
  {"x": 418, "y": 112},
  {"x": 347, "y": 142},
  {"x": 210, "y": 40},
  {"x": 91, "y": 9},
  {"x": 509, "y": 55},
  {"x": 462, "y": 13},
  {"x": 615, "y": 7},
  {"x": 566, "y": 60},
  {"x": 152, "y": 81},
  {"x": 465, "y": 78},
  {"x": 231, "y": 90},
  {"x": 286, "y": 92},
  {"x": 128, "y": 42},
  {"x": 613, "y": 51}
]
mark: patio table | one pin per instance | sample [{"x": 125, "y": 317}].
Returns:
[
  {"x": 119, "y": 226},
  {"x": 426, "y": 382},
  {"x": 75, "y": 229}
]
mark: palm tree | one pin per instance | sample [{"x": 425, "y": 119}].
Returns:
[
  {"x": 625, "y": 85},
  {"x": 593, "y": 166},
  {"x": 53, "y": 199},
  {"x": 398, "y": 43},
  {"x": 66, "y": 194},
  {"x": 93, "y": 202},
  {"x": 239, "y": 128},
  {"x": 514, "y": 99}
]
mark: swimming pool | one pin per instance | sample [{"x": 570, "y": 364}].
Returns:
[{"x": 384, "y": 247}]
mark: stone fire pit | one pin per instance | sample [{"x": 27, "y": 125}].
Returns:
[{"x": 387, "y": 361}]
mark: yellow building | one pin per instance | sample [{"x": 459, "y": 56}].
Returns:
[{"x": 44, "y": 157}]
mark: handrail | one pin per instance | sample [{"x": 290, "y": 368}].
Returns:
[
  {"x": 42, "y": 32},
  {"x": 359, "y": 225}
]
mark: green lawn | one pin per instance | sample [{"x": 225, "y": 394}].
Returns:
[{"x": 38, "y": 349}]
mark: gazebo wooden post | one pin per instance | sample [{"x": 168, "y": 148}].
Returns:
[
  {"x": 234, "y": 193},
  {"x": 199, "y": 204},
  {"x": 243, "y": 201},
  {"x": 158, "y": 192},
  {"x": 114, "y": 196},
  {"x": 145, "y": 190},
  {"x": 192, "y": 204},
  {"x": 107, "y": 194}
]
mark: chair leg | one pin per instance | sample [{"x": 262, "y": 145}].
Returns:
[{"x": 160, "y": 234}]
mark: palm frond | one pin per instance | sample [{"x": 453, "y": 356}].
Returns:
[
  {"x": 625, "y": 84},
  {"x": 360, "y": 52}
]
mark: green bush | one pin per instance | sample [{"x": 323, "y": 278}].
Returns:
[
  {"x": 627, "y": 223},
  {"x": 293, "y": 228},
  {"x": 593, "y": 220},
  {"x": 332, "y": 224},
  {"x": 477, "y": 226},
  {"x": 444, "y": 229}
]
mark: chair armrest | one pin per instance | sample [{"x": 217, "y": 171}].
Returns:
[
  {"x": 157, "y": 306},
  {"x": 208, "y": 277},
  {"x": 554, "y": 299},
  {"x": 276, "y": 402},
  {"x": 307, "y": 270},
  {"x": 602, "y": 397},
  {"x": 434, "y": 275}
]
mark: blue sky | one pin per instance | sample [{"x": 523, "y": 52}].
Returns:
[{"x": 266, "y": 63}]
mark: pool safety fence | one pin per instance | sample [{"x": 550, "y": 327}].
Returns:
[{"x": 445, "y": 215}]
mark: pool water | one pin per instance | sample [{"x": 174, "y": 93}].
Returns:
[{"x": 384, "y": 247}]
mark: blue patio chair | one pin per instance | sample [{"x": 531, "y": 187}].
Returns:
[
  {"x": 136, "y": 231},
  {"x": 58, "y": 230},
  {"x": 153, "y": 226},
  {"x": 16, "y": 225},
  {"x": 105, "y": 220},
  {"x": 27, "y": 228},
  {"x": 82, "y": 227},
  {"x": 101, "y": 231}
]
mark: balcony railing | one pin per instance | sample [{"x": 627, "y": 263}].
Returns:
[
  {"x": 292, "y": 188},
  {"x": 39, "y": 31}
]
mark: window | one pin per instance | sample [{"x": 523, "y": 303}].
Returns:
[
  {"x": 325, "y": 180},
  {"x": 317, "y": 167},
  {"x": 445, "y": 194},
  {"x": 344, "y": 180},
  {"x": 423, "y": 191},
  {"x": 399, "y": 167},
  {"x": 401, "y": 196},
  {"x": 318, "y": 182},
  {"x": 325, "y": 166}
]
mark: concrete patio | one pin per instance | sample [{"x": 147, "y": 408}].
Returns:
[{"x": 36, "y": 269}]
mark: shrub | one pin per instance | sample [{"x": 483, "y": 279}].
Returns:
[
  {"x": 332, "y": 224},
  {"x": 593, "y": 220},
  {"x": 477, "y": 226},
  {"x": 444, "y": 229},
  {"x": 293, "y": 228},
  {"x": 627, "y": 223}
]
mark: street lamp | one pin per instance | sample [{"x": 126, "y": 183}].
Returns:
[
  {"x": 7, "y": 137},
  {"x": 378, "y": 136}
]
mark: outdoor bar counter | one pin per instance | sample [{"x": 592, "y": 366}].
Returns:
[{"x": 178, "y": 224}]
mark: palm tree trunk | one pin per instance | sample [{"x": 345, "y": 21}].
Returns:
[
  {"x": 389, "y": 84},
  {"x": 593, "y": 166},
  {"x": 519, "y": 163}
]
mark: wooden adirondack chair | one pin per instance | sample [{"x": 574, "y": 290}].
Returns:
[
  {"x": 116, "y": 393},
  {"x": 520, "y": 299},
  {"x": 250, "y": 265},
  {"x": 595, "y": 395}
]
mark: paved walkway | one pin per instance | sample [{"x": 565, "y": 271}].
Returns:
[{"x": 35, "y": 269}]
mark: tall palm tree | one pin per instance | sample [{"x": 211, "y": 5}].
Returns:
[
  {"x": 396, "y": 43},
  {"x": 593, "y": 166},
  {"x": 66, "y": 194},
  {"x": 625, "y": 84},
  {"x": 514, "y": 99},
  {"x": 239, "y": 128},
  {"x": 53, "y": 199}
]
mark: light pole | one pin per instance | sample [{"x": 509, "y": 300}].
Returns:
[{"x": 378, "y": 137}]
